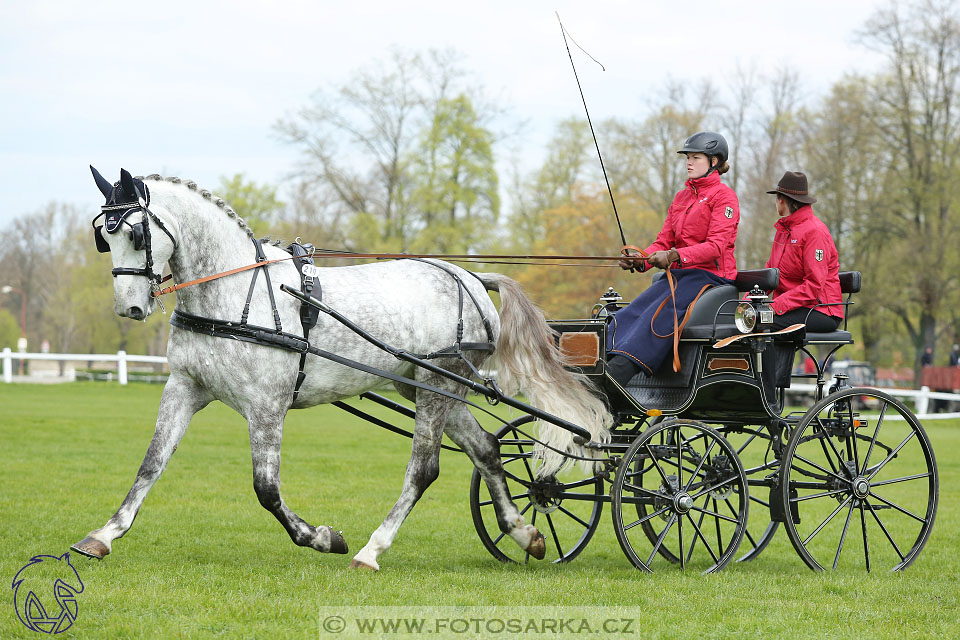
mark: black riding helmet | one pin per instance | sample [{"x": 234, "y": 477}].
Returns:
[{"x": 709, "y": 143}]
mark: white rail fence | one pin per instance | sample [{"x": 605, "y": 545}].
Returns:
[{"x": 920, "y": 397}]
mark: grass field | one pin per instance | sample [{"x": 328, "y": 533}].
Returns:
[{"x": 205, "y": 560}]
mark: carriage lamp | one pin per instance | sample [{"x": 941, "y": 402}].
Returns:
[
  {"x": 608, "y": 303},
  {"x": 745, "y": 317},
  {"x": 765, "y": 309}
]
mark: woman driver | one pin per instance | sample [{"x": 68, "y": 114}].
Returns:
[{"x": 697, "y": 241}]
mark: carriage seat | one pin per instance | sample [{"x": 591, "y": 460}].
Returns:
[
  {"x": 850, "y": 282},
  {"x": 712, "y": 316}
]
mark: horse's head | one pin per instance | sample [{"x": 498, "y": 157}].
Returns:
[{"x": 129, "y": 231}]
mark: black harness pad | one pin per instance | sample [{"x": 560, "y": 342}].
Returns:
[{"x": 309, "y": 314}]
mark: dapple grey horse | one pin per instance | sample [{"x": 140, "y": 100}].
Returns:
[{"x": 411, "y": 305}]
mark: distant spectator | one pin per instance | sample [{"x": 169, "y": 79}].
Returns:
[
  {"x": 809, "y": 366},
  {"x": 926, "y": 359},
  {"x": 955, "y": 356}
]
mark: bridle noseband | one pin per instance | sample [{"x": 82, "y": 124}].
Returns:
[{"x": 116, "y": 214}]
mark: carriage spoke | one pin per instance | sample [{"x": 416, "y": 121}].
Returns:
[
  {"x": 884, "y": 529},
  {"x": 758, "y": 500},
  {"x": 714, "y": 514},
  {"x": 659, "y": 542},
  {"x": 852, "y": 442},
  {"x": 572, "y": 515},
  {"x": 823, "y": 494},
  {"x": 700, "y": 535},
  {"x": 903, "y": 479},
  {"x": 828, "y": 440},
  {"x": 747, "y": 443},
  {"x": 716, "y": 523},
  {"x": 898, "y": 507},
  {"x": 829, "y": 518},
  {"x": 637, "y": 488},
  {"x": 797, "y": 456},
  {"x": 694, "y": 543},
  {"x": 746, "y": 531},
  {"x": 653, "y": 458},
  {"x": 891, "y": 455},
  {"x": 703, "y": 460},
  {"x": 843, "y": 536},
  {"x": 873, "y": 440},
  {"x": 516, "y": 478},
  {"x": 556, "y": 540},
  {"x": 715, "y": 487},
  {"x": 866, "y": 545},
  {"x": 683, "y": 562},
  {"x": 646, "y": 517}
]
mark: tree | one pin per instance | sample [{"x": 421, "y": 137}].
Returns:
[
  {"x": 454, "y": 180},
  {"x": 917, "y": 119},
  {"x": 9, "y": 330},
  {"x": 258, "y": 204}
]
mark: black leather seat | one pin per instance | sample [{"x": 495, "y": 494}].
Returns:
[
  {"x": 712, "y": 316},
  {"x": 850, "y": 282}
]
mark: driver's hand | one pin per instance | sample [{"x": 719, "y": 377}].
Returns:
[
  {"x": 629, "y": 262},
  {"x": 662, "y": 259}
]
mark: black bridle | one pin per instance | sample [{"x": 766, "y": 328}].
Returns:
[{"x": 117, "y": 214}]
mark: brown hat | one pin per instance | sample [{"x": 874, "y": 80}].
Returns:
[{"x": 793, "y": 185}]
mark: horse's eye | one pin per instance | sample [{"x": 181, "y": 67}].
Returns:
[{"x": 129, "y": 233}]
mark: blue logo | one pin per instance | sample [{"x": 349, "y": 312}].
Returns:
[{"x": 45, "y": 593}]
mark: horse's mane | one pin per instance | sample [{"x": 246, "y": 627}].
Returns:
[{"x": 220, "y": 202}]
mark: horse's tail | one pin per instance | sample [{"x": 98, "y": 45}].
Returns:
[{"x": 528, "y": 360}]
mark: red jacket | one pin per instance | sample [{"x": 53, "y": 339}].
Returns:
[
  {"x": 702, "y": 224},
  {"x": 804, "y": 252}
]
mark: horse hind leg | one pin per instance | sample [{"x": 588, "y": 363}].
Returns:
[
  {"x": 266, "y": 435},
  {"x": 483, "y": 450},
  {"x": 422, "y": 469},
  {"x": 181, "y": 399}
]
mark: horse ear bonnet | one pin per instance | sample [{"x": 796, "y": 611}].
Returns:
[{"x": 122, "y": 198}]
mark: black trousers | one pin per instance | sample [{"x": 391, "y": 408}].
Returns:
[{"x": 817, "y": 322}]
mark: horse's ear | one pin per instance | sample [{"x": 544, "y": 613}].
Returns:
[
  {"x": 126, "y": 183},
  {"x": 105, "y": 187}
]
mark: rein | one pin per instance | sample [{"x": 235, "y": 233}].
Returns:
[{"x": 486, "y": 258}]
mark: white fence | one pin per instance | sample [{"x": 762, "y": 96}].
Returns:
[
  {"x": 921, "y": 398},
  {"x": 120, "y": 357}
]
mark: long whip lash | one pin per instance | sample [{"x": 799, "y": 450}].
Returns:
[{"x": 563, "y": 30}]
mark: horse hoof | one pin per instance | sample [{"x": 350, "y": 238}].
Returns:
[
  {"x": 91, "y": 548},
  {"x": 337, "y": 543},
  {"x": 356, "y": 564},
  {"x": 537, "y": 547}
]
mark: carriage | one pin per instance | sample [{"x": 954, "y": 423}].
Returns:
[
  {"x": 699, "y": 466},
  {"x": 694, "y": 452}
]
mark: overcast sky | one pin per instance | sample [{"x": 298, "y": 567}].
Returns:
[{"x": 193, "y": 88}]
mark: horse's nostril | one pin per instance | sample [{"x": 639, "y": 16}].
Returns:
[{"x": 135, "y": 312}]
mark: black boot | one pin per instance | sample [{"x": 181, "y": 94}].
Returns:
[{"x": 622, "y": 369}]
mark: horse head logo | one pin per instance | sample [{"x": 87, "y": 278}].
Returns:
[{"x": 36, "y": 580}]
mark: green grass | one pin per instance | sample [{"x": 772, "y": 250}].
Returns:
[{"x": 205, "y": 560}]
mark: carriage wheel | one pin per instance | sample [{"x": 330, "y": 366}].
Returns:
[
  {"x": 869, "y": 499},
  {"x": 753, "y": 446},
  {"x": 567, "y": 522},
  {"x": 664, "y": 494}
]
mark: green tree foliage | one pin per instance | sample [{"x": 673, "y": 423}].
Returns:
[
  {"x": 9, "y": 330},
  {"x": 455, "y": 185},
  {"x": 257, "y": 204},
  {"x": 394, "y": 155}
]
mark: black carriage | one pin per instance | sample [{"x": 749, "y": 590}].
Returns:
[{"x": 694, "y": 453}]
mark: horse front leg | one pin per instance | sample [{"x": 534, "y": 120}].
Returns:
[
  {"x": 483, "y": 449},
  {"x": 181, "y": 399},
  {"x": 266, "y": 436},
  {"x": 422, "y": 469}
]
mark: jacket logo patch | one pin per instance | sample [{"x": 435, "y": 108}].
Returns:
[
  {"x": 728, "y": 212},
  {"x": 702, "y": 200},
  {"x": 818, "y": 254}
]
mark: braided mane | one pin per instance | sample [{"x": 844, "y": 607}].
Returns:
[{"x": 207, "y": 195}]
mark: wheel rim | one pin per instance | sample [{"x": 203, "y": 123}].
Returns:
[
  {"x": 567, "y": 522},
  {"x": 670, "y": 479},
  {"x": 864, "y": 485}
]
